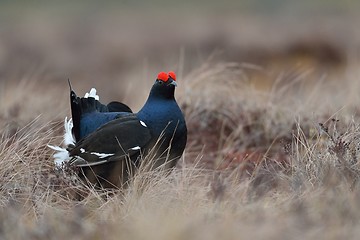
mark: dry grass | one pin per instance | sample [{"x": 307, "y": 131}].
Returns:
[
  {"x": 257, "y": 165},
  {"x": 273, "y": 150}
]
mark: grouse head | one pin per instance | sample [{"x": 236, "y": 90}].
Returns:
[{"x": 164, "y": 86}]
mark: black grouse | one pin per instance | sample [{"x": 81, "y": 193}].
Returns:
[{"x": 109, "y": 142}]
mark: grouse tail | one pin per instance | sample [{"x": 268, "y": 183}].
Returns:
[{"x": 88, "y": 104}]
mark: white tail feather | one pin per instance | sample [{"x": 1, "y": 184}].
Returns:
[
  {"x": 61, "y": 156},
  {"x": 92, "y": 93},
  {"x": 68, "y": 136}
]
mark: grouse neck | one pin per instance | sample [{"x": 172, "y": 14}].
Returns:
[{"x": 162, "y": 92}]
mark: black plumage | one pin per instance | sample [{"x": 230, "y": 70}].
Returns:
[{"x": 111, "y": 141}]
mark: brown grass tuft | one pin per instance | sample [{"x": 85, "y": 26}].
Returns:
[{"x": 257, "y": 165}]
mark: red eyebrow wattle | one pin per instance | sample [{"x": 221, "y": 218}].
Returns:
[
  {"x": 163, "y": 76},
  {"x": 172, "y": 75}
]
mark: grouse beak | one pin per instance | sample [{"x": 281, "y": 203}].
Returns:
[{"x": 172, "y": 82}]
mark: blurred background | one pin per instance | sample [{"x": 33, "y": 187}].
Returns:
[{"x": 118, "y": 45}]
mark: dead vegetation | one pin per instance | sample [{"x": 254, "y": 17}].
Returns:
[
  {"x": 274, "y": 135},
  {"x": 257, "y": 165}
]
